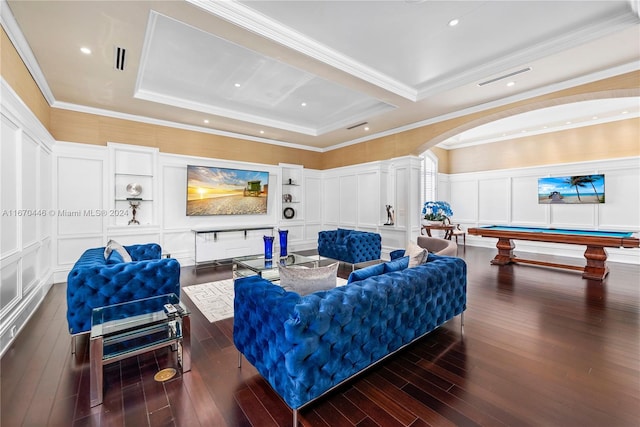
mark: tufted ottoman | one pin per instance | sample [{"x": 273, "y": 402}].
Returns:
[{"x": 305, "y": 346}]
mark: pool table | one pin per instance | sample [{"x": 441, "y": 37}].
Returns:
[{"x": 595, "y": 241}]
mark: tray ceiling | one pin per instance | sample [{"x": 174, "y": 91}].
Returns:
[{"x": 315, "y": 74}]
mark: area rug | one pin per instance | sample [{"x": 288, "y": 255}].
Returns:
[{"x": 215, "y": 299}]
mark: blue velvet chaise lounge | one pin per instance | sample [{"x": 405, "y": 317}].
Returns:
[{"x": 306, "y": 346}]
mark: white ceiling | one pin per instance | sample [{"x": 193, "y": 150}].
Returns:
[{"x": 302, "y": 72}]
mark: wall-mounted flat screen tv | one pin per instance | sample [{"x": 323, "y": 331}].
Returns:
[
  {"x": 224, "y": 191},
  {"x": 581, "y": 189}
]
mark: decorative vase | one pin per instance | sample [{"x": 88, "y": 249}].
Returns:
[
  {"x": 268, "y": 247},
  {"x": 283, "y": 242},
  {"x": 431, "y": 222}
]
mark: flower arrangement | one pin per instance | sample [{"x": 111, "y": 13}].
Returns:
[{"x": 436, "y": 211}]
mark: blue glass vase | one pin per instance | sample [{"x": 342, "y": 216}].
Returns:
[
  {"x": 283, "y": 242},
  {"x": 268, "y": 247}
]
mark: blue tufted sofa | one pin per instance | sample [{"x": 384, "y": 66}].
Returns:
[
  {"x": 305, "y": 346},
  {"x": 350, "y": 246},
  {"x": 96, "y": 282}
]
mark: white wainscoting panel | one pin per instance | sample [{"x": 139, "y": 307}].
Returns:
[
  {"x": 174, "y": 196},
  {"x": 45, "y": 201},
  {"x": 525, "y": 209},
  {"x": 9, "y": 290},
  {"x": 573, "y": 216},
  {"x": 313, "y": 199},
  {"x": 29, "y": 269},
  {"x": 70, "y": 249},
  {"x": 27, "y": 214},
  {"x": 9, "y": 182},
  {"x": 348, "y": 202},
  {"x": 401, "y": 186},
  {"x": 369, "y": 206},
  {"x": 622, "y": 187},
  {"x": 331, "y": 200},
  {"x": 620, "y": 212},
  {"x": 494, "y": 200},
  {"x": 464, "y": 198},
  {"x": 30, "y": 181},
  {"x": 80, "y": 197}
]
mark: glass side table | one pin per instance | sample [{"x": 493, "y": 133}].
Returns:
[{"x": 125, "y": 330}]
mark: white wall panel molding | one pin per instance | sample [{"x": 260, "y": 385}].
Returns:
[
  {"x": 27, "y": 214},
  {"x": 14, "y": 108},
  {"x": 509, "y": 197}
]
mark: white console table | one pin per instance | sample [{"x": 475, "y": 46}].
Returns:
[{"x": 215, "y": 231}]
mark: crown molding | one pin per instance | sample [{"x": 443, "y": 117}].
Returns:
[
  {"x": 167, "y": 123},
  {"x": 589, "y": 78},
  {"x": 249, "y": 19},
  {"x": 535, "y": 52},
  {"x": 15, "y": 109},
  {"x": 14, "y": 33}
]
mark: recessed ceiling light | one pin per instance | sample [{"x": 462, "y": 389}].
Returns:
[
  {"x": 304, "y": 104},
  {"x": 85, "y": 50},
  {"x": 261, "y": 132},
  {"x": 237, "y": 85},
  {"x": 366, "y": 128},
  {"x": 206, "y": 121},
  {"x": 454, "y": 22},
  {"x": 511, "y": 84}
]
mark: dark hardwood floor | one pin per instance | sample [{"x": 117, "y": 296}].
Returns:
[{"x": 541, "y": 347}]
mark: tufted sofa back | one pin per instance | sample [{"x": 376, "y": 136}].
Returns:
[
  {"x": 303, "y": 346},
  {"x": 350, "y": 246},
  {"x": 93, "y": 283}
]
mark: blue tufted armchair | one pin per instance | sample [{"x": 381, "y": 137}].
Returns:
[
  {"x": 97, "y": 282},
  {"x": 350, "y": 246}
]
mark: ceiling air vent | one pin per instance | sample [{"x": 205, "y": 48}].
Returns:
[
  {"x": 357, "y": 126},
  {"x": 515, "y": 73},
  {"x": 119, "y": 58}
]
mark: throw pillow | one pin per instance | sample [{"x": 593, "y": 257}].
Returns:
[
  {"x": 397, "y": 264},
  {"x": 308, "y": 280},
  {"x": 363, "y": 273},
  {"x": 115, "y": 246},
  {"x": 417, "y": 255}
]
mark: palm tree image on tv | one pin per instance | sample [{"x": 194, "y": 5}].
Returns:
[
  {"x": 577, "y": 189},
  {"x": 223, "y": 191}
]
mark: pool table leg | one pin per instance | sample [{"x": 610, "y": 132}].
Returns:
[
  {"x": 505, "y": 252},
  {"x": 596, "y": 268}
]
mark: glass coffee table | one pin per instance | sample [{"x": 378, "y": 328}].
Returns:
[
  {"x": 124, "y": 330},
  {"x": 268, "y": 269}
]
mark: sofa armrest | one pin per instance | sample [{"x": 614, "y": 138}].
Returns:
[
  {"x": 144, "y": 252},
  {"x": 99, "y": 285},
  {"x": 363, "y": 246}
]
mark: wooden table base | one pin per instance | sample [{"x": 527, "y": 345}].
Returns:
[{"x": 596, "y": 256}]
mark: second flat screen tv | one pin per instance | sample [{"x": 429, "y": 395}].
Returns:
[
  {"x": 225, "y": 191},
  {"x": 581, "y": 189}
]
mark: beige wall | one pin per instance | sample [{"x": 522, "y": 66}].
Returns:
[
  {"x": 605, "y": 141},
  {"x": 613, "y": 140},
  {"x": 72, "y": 126},
  {"x": 416, "y": 141},
  {"x": 17, "y": 75}
]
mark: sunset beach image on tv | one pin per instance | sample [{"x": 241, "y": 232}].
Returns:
[
  {"x": 224, "y": 191},
  {"x": 571, "y": 189}
]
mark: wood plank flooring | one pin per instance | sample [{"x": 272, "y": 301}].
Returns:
[{"x": 541, "y": 347}]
